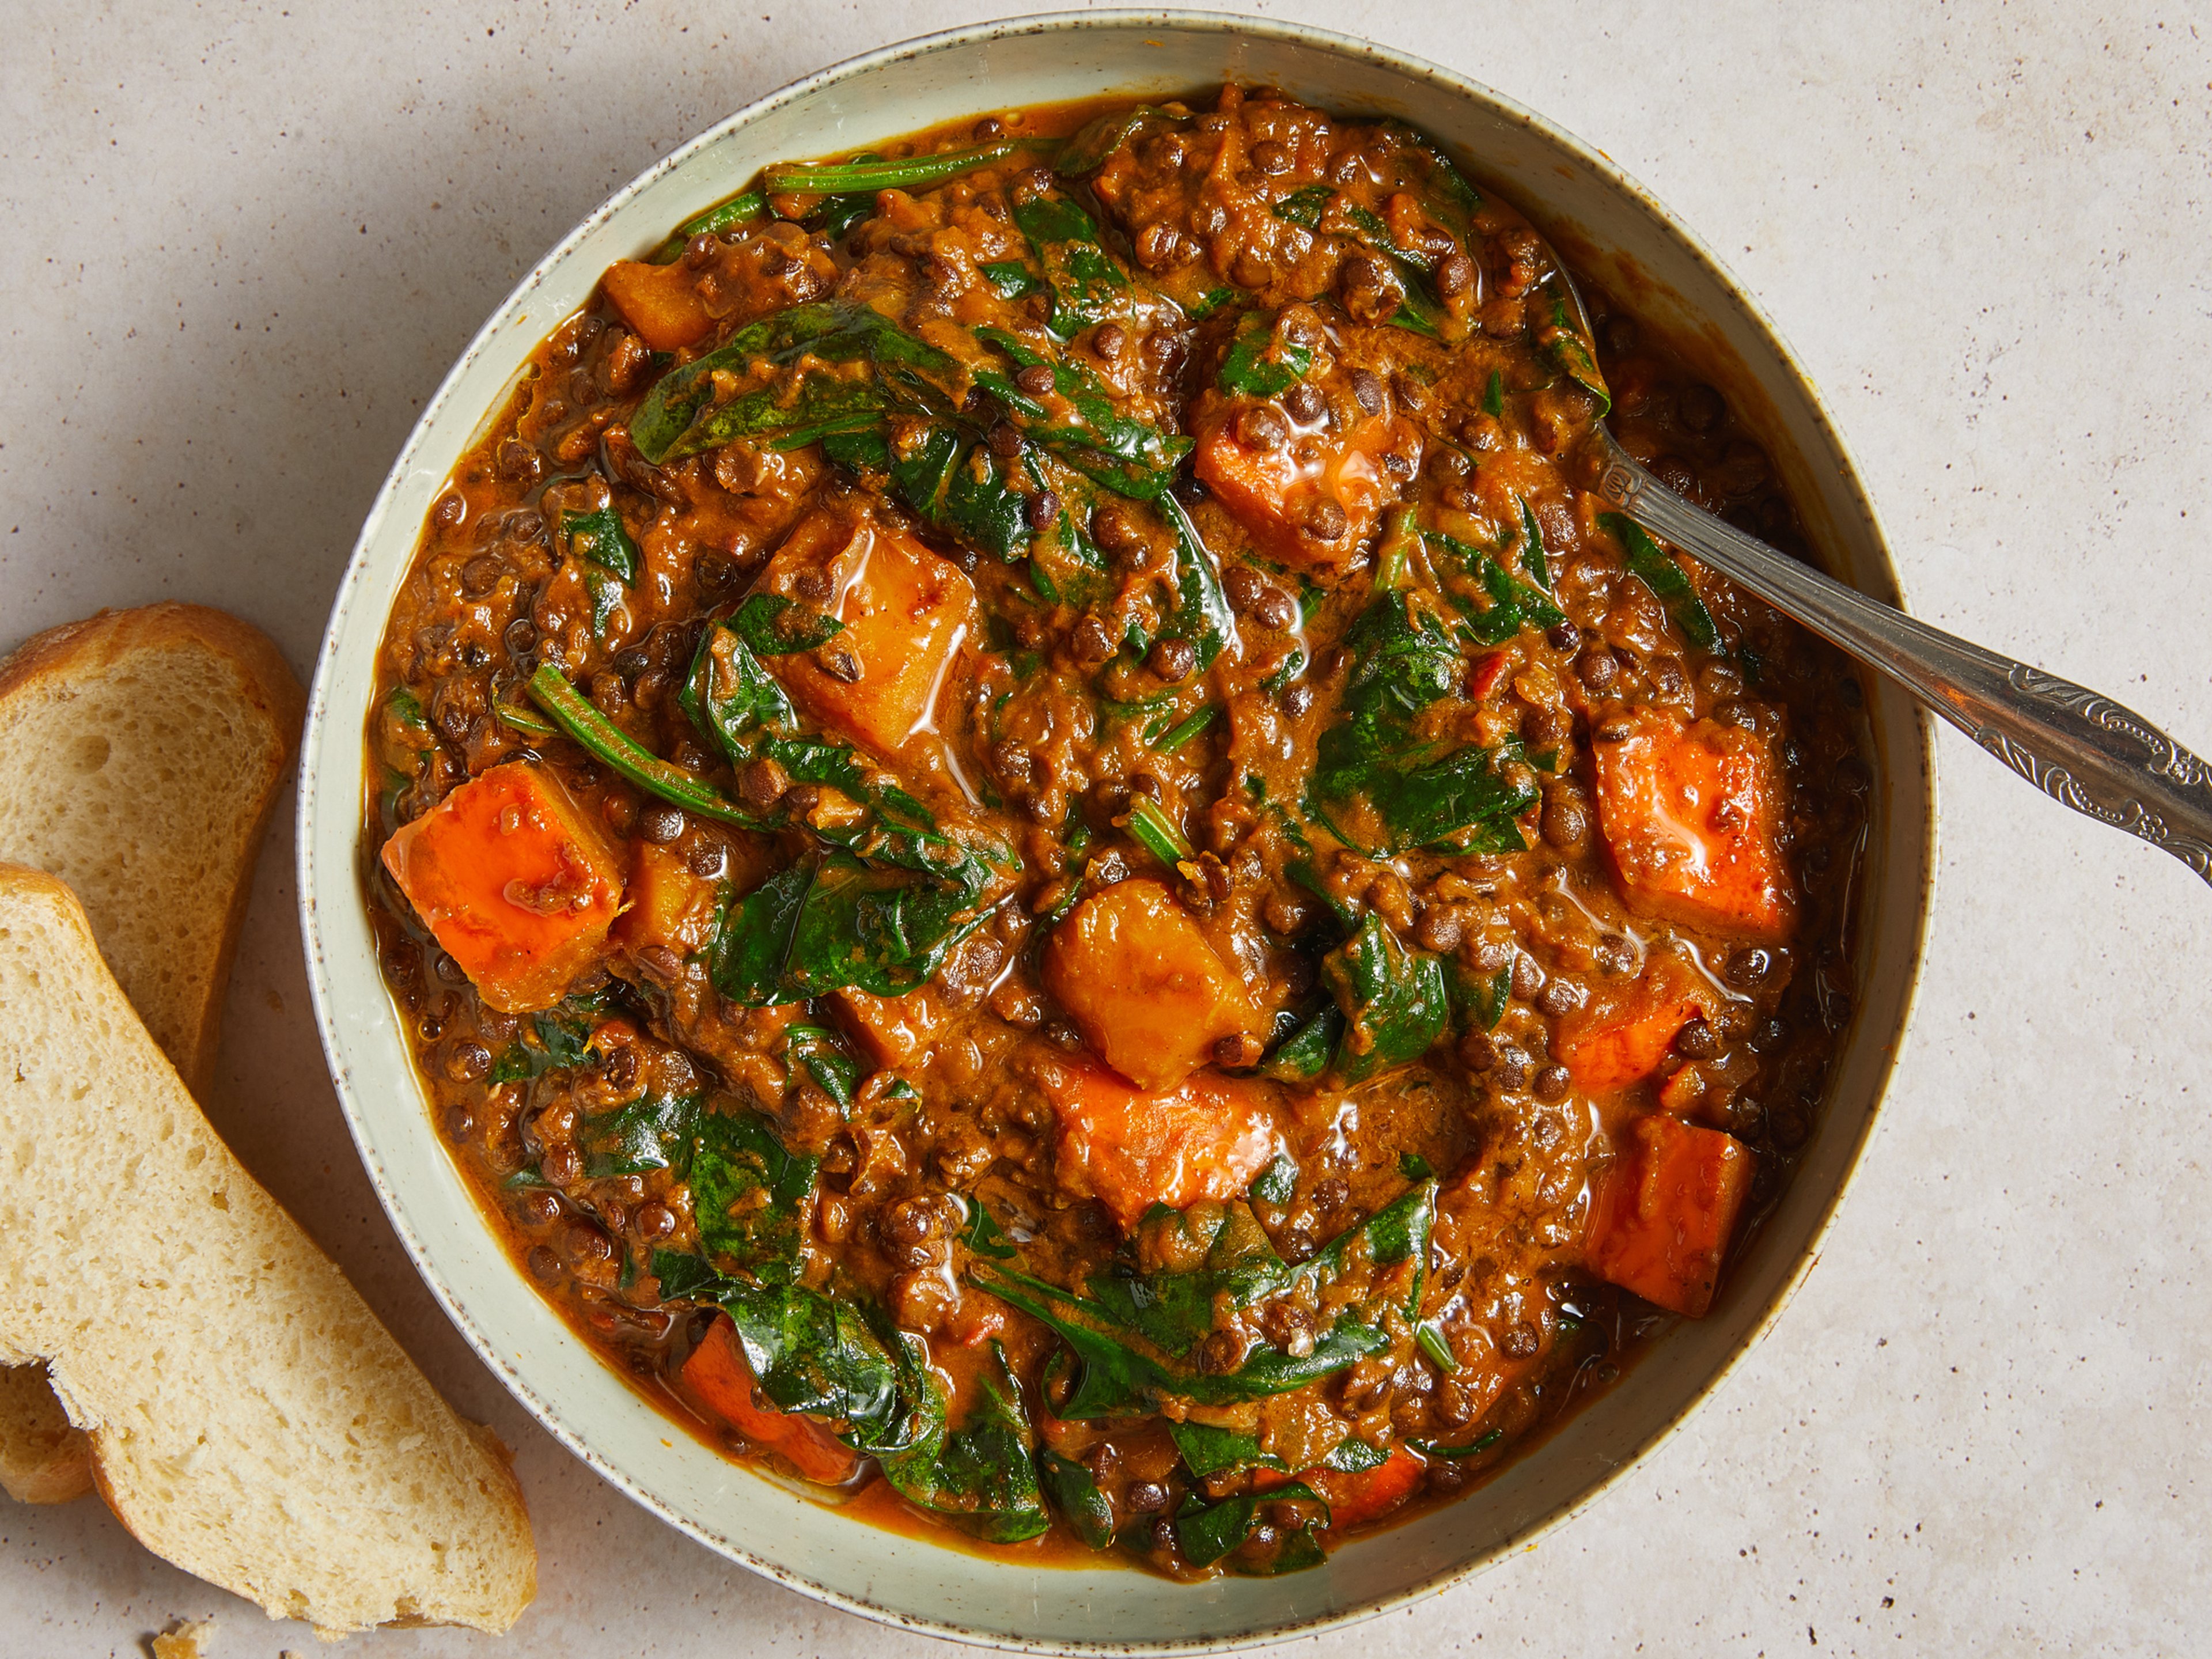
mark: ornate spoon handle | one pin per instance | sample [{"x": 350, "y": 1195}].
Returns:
[{"x": 2079, "y": 747}]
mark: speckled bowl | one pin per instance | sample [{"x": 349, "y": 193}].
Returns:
[{"x": 1620, "y": 235}]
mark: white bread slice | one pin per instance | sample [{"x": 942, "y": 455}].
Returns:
[
  {"x": 251, "y": 1420},
  {"x": 140, "y": 757}
]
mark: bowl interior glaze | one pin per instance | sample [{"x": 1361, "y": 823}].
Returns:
[{"x": 1604, "y": 221}]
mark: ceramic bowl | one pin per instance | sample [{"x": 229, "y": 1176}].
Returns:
[{"x": 1617, "y": 233}]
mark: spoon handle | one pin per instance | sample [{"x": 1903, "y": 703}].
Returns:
[{"x": 2078, "y": 746}]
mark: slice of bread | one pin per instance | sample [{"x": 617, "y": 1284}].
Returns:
[
  {"x": 250, "y": 1419},
  {"x": 140, "y": 756}
]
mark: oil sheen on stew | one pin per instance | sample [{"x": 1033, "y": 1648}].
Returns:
[{"x": 1050, "y": 873}]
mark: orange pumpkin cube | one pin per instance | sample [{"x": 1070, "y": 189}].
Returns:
[
  {"x": 661, "y": 303},
  {"x": 517, "y": 884},
  {"x": 1150, "y": 996},
  {"x": 1278, "y": 494},
  {"x": 1691, "y": 815},
  {"x": 669, "y": 907},
  {"x": 1662, "y": 1214},
  {"x": 906, "y": 613},
  {"x": 1133, "y": 1148}
]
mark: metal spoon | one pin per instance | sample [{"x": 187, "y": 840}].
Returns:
[{"x": 2078, "y": 746}]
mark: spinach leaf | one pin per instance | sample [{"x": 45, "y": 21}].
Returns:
[
  {"x": 1208, "y": 1450},
  {"x": 1532, "y": 548},
  {"x": 1278, "y": 1182},
  {"x": 1304, "y": 1054},
  {"x": 1650, "y": 565},
  {"x": 605, "y": 597},
  {"x": 946, "y": 478},
  {"x": 683, "y": 1277},
  {"x": 1567, "y": 347},
  {"x": 1352, "y": 1456},
  {"x": 600, "y": 538},
  {"x": 654, "y": 1132},
  {"x": 1493, "y": 395},
  {"x": 821, "y": 1354},
  {"x": 738, "y": 209},
  {"x": 1392, "y": 998},
  {"x": 1258, "y": 365},
  {"x": 1086, "y": 152},
  {"x": 749, "y": 1195},
  {"x": 728, "y": 696},
  {"x": 747, "y": 958},
  {"x": 679, "y": 417},
  {"x": 1303, "y": 207},
  {"x": 1419, "y": 793},
  {"x": 1482, "y": 1003},
  {"x": 1201, "y": 613},
  {"x": 1011, "y": 279},
  {"x": 984, "y": 1237},
  {"x": 1135, "y": 1334},
  {"x": 773, "y": 626},
  {"x": 1205, "y": 1536},
  {"x": 871, "y": 173},
  {"x": 1112, "y": 449},
  {"x": 1077, "y": 1496},
  {"x": 1086, "y": 285},
  {"x": 1513, "y": 605},
  {"x": 980, "y": 1475},
  {"x": 822, "y": 924},
  {"x": 816, "y": 1050}
]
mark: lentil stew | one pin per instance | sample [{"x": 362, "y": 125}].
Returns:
[{"x": 1051, "y": 874}]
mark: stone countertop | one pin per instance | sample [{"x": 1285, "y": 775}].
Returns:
[{"x": 242, "y": 245}]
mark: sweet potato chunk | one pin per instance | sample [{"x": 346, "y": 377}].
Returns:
[
  {"x": 1131, "y": 1148},
  {"x": 660, "y": 302},
  {"x": 1361, "y": 1495},
  {"x": 1149, "y": 995},
  {"x": 906, "y": 613},
  {"x": 1280, "y": 494},
  {"x": 1690, "y": 815},
  {"x": 1661, "y": 1216},
  {"x": 670, "y": 908},
  {"x": 894, "y": 1030},
  {"x": 718, "y": 1374},
  {"x": 518, "y": 884},
  {"x": 1620, "y": 1036}
]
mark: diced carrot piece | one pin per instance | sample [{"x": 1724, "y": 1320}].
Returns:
[
  {"x": 895, "y": 1030},
  {"x": 1132, "y": 1148},
  {"x": 906, "y": 613},
  {"x": 1662, "y": 1215},
  {"x": 1620, "y": 1035},
  {"x": 1150, "y": 996},
  {"x": 1691, "y": 815},
  {"x": 660, "y": 302},
  {"x": 1274, "y": 493},
  {"x": 519, "y": 885},
  {"x": 718, "y": 1374},
  {"x": 669, "y": 907}
]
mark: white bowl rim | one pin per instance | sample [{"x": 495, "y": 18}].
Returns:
[{"x": 1182, "y": 20}]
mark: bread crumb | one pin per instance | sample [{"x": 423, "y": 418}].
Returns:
[{"x": 182, "y": 1639}]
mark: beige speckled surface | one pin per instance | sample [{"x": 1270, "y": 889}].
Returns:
[{"x": 240, "y": 247}]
